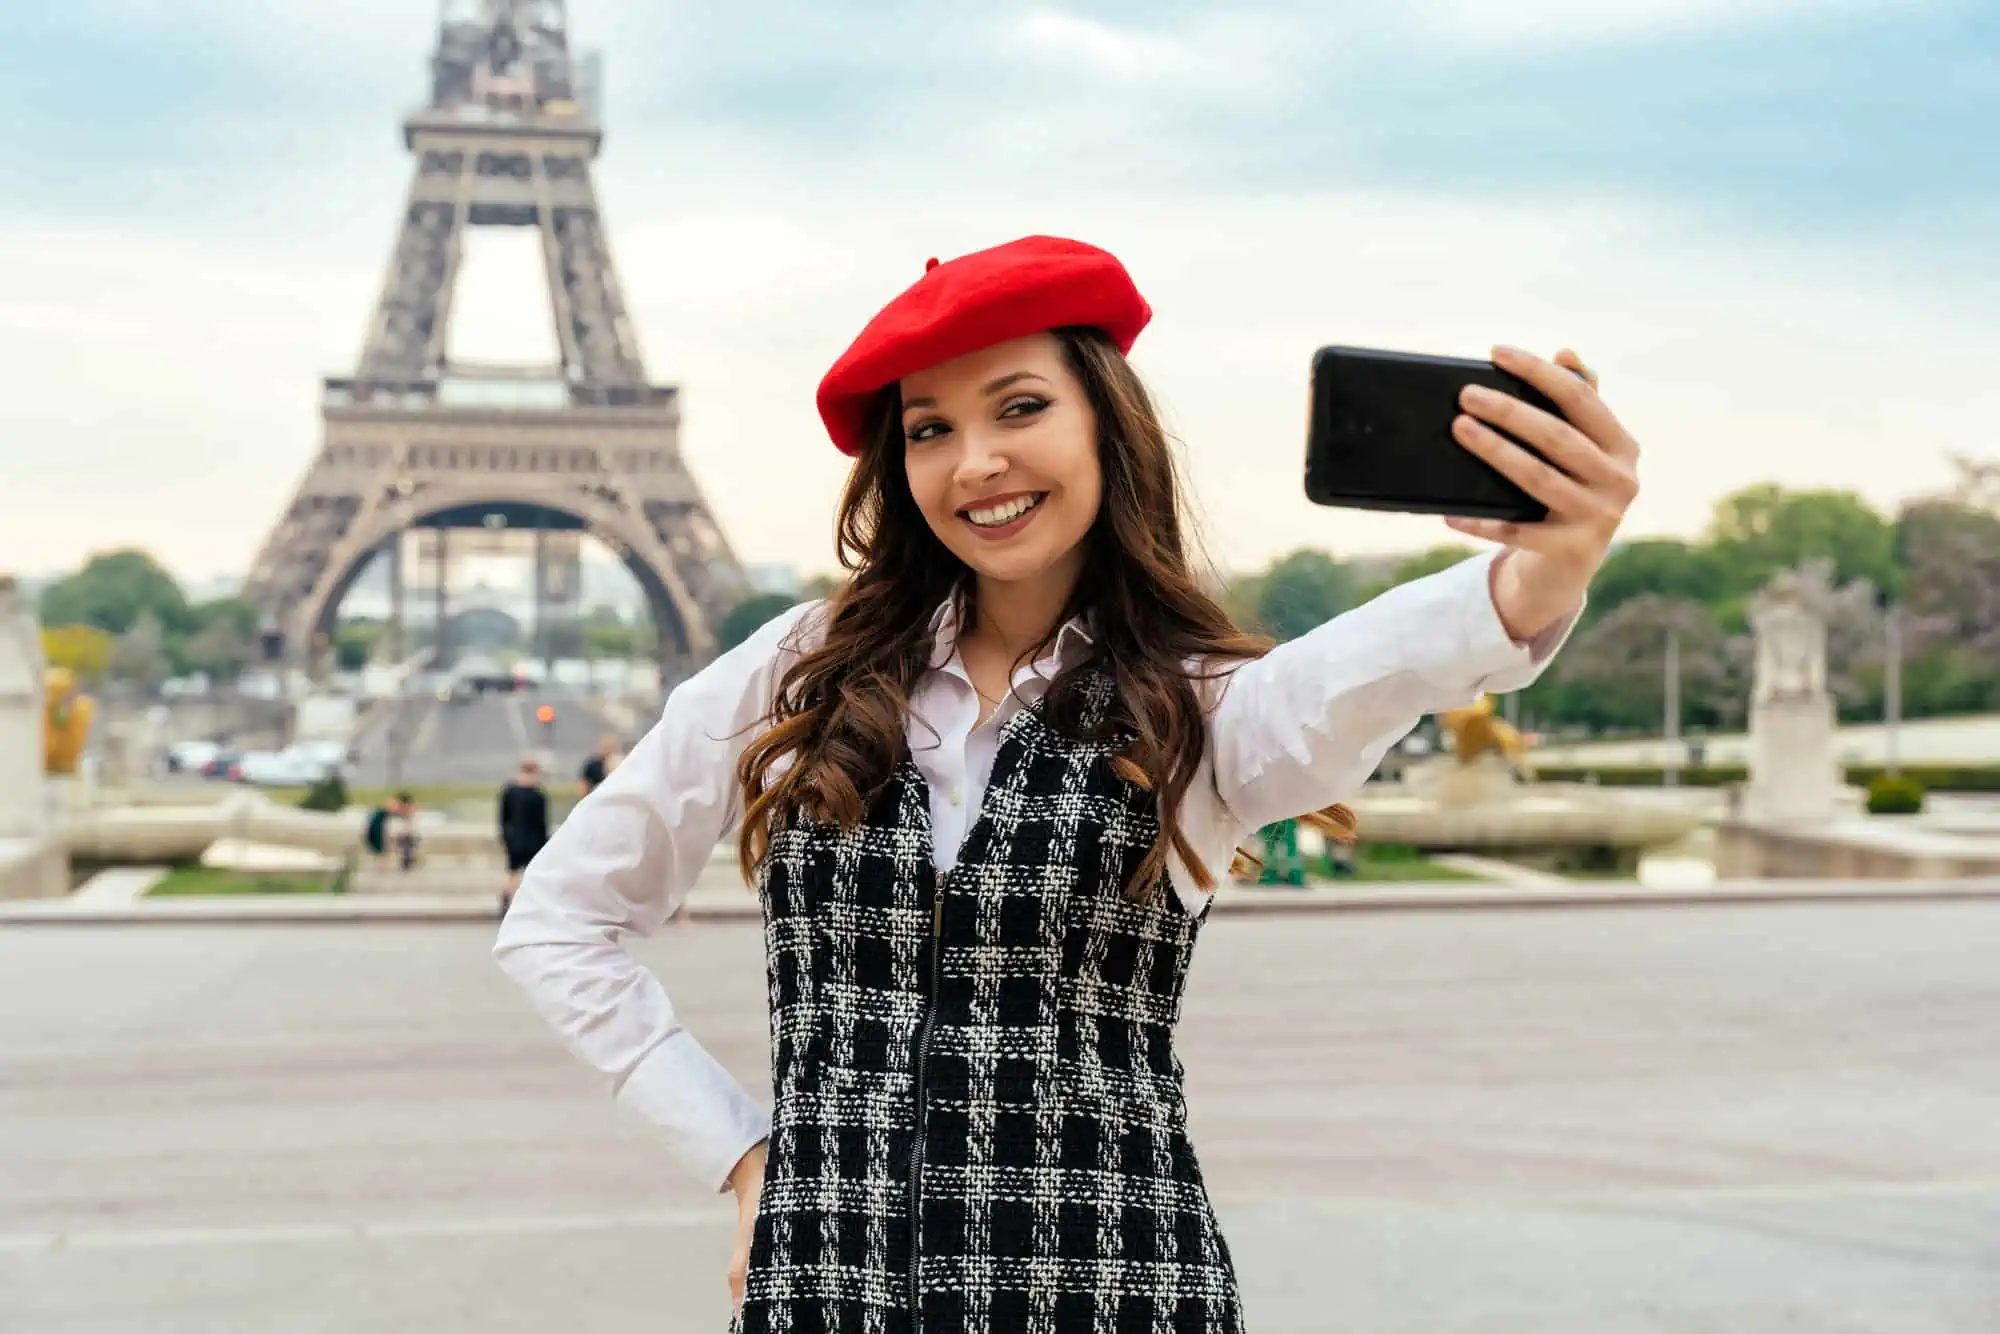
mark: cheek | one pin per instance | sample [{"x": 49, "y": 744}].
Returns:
[
  {"x": 1083, "y": 487},
  {"x": 930, "y": 484}
]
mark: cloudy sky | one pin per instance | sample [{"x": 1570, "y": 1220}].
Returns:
[{"x": 1770, "y": 224}]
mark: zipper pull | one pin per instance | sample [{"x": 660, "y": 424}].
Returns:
[{"x": 937, "y": 919}]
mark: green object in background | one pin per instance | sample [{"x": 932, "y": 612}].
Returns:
[
  {"x": 1282, "y": 863},
  {"x": 202, "y": 881},
  {"x": 1895, "y": 795}
]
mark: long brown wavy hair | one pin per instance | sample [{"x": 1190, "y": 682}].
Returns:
[{"x": 840, "y": 711}]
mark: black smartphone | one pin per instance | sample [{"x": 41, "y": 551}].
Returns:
[{"x": 1379, "y": 436}]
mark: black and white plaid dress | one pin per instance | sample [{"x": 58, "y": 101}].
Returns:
[{"x": 979, "y": 1118}]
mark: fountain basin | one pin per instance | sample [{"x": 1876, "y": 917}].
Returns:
[
  {"x": 166, "y": 834},
  {"x": 1482, "y": 808}
]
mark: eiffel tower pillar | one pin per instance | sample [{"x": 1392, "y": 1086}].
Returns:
[
  {"x": 441, "y": 656},
  {"x": 539, "y": 640},
  {"x": 411, "y": 437},
  {"x": 397, "y": 636}
]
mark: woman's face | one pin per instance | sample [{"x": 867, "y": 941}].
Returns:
[{"x": 1001, "y": 450}]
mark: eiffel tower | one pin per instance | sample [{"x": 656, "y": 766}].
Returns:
[{"x": 413, "y": 441}]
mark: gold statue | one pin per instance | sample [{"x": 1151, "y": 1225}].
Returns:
[
  {"x": 1474, "y": 731},
  {"x": 66, "y": 718}
]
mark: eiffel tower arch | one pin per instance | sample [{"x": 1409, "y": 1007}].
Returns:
[{"x": 589, "y": 444}]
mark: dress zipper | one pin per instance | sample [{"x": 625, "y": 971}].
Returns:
[{"x": 917, "y": 1140}]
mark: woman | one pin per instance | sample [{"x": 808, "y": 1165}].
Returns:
[
  {"x": 524, "y": 824},
  {"x": 985, "y": 792}
]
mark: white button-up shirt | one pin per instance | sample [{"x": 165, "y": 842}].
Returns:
[{"x": 1288, "y": 733}]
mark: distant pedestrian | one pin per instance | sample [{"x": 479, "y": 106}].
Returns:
[
  {"x": 598, "y": 766},
  {"x": 401, "y": 830},
  {"x": 376, "y": 835},
  {"x": 391, "y": 832},
  {"x": 524, "y": 823}
]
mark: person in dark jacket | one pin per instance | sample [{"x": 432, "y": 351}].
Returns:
[
  {"x": 599, "y": 765},
  {"x": 524, "y": 823},
  {"x": 985, "y": 792}
]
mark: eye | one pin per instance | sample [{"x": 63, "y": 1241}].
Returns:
[
  {"x": 1025, "y": 406},
  {"x": 924, "y": 430}
]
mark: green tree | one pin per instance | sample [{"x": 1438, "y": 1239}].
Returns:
[
  {"x": 1951, "y": 561},
  {"x": 608, "y": 642},
  {"x": 139, "y": 658},
  {"x": 1432, "y": 560},
  {"x": 1615, "y": 671},
  {"x": 750, "y": 615},
  {"x": 1238, "y": 597},
  {"x": 1662, "y": 566},
  {"x": 1950, "y": 607},
  {"x": 1763, "y": 529},
  {"x": 113, "y": 591},
  {"x": 235, "y": 611},
  {"x": 1300, "y": 592},
  {"x": 220, "y": 649}
]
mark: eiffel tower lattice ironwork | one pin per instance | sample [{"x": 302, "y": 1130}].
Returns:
[{"x": 413, "y": 440}]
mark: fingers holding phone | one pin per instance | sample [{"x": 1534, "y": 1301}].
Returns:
[
  {"x": 1569, "y": 360},
  {"x": 1578, "y": 460}
]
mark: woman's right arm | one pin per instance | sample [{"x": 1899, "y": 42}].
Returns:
[{"x": 622, "y": 863}]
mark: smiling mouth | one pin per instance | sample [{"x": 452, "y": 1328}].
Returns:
[{"x": 1002, "y": 513}]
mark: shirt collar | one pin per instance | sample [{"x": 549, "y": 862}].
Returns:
[{"x": 950, "y": 616}]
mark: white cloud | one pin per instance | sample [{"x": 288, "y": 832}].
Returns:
[
  {"x": 160, "y": 379},
  {"x": 1223, "y": 53},
  {"x": 1556, "y": 23},
  {"x": 1121, "y": 53},
  {"x": 159, "y": 371}
]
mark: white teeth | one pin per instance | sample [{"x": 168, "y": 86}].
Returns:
[{"x": 997, "y": 515}]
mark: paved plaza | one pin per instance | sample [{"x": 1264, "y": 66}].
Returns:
[{"x": 1737, "y": 1118}]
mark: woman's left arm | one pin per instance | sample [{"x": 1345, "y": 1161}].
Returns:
[{"x": 1306, "y": 725}]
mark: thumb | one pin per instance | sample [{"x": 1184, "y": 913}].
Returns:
[{"x": 1569, "y": 360}]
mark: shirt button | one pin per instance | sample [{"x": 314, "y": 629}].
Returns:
[{"x": 957, "y": 795}]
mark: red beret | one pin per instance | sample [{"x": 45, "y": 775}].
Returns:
[{"x": 1023, "y": 287}]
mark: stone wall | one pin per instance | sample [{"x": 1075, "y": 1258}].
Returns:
[
  {"x": 1745, "y": 850},
  {"x": 33, "y": 869}
]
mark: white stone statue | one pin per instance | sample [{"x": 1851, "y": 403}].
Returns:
[
  {"x": 1789, "y": 618},
  {"x": 33, "y": 862},
  {"x": 23, "y": 812},
  {"x": 1794, "y": 775}
]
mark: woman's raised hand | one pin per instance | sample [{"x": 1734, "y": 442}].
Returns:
[{"x": 1587, "y": 476}]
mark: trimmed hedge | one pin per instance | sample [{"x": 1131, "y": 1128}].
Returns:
[
  {"x": 1639, "y": 775},
  {"x": 1895, "y": 796},
  {"x": 1928, "y": 777},
  {"x": 328, "y": 794}
]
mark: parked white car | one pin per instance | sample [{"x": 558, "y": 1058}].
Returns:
[
  {"x": 281, "y": 768},
  {"x": 191, "y": 757}
]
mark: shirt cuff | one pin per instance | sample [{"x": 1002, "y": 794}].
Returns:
[
  {"x": 1490, "y": 661},
  {"x": 707, "y": 1119}
]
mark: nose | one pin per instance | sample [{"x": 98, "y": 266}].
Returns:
[{"x": 980, "y": 460}]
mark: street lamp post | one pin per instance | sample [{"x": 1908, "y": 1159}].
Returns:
[
  {"x": 1672, "y": 773},
  {"x": 1892, "y": 691}
]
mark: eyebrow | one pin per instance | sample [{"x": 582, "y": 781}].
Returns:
[{"x": 990, "y": 387}]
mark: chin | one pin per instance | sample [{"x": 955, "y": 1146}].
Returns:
[{"x": 1012, "y": 567}]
